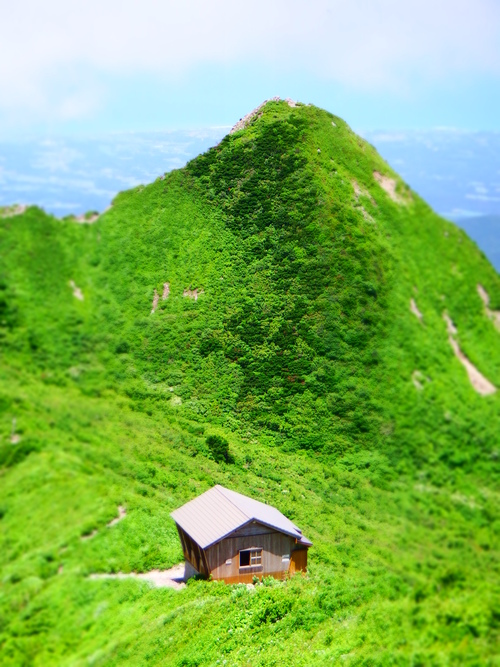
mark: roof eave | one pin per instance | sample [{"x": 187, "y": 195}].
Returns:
[{"x": 296, "y": 536}]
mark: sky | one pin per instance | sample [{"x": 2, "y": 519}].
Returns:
[{"x": 88, "y": 67}]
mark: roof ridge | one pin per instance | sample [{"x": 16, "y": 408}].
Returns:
[{"x": 219, "y": 486}]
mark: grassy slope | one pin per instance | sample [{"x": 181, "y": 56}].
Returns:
[{"x": 301, "y": 352}]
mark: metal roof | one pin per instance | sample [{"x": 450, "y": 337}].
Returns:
[{"x": 218, "y": 512}]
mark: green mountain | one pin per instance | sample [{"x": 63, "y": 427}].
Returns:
[{"x": 287, "y": 292}]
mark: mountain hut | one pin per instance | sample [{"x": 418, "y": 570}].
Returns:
[{"x": 235, "y": 538}]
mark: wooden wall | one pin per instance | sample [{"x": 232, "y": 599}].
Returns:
[
  {"x": 193, "y": 554},
  {"x": 274, "y": 546},
  {"x": 215, "y": 560}
]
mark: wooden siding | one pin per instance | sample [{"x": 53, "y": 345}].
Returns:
[
  {"x": 193, "y": 553},
  {"x": 214, "y": 560},
  {"x": 274, "y": 546}
]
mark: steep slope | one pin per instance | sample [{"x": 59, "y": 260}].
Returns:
[{"x": 288, "y": 291}]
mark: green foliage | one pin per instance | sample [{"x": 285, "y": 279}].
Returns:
[
  {"x": 343, "y": 409},
  {"x": 219, "y": 448}
]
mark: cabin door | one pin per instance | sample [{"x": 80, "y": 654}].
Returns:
[{"x": 298, "y": 561}]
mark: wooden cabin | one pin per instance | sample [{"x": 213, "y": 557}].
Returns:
[{"x": 235, "y": 538}]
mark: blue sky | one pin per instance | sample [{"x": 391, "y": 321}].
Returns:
[{"x": 93, "y": 66}]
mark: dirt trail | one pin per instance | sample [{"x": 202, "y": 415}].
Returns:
[
  {"x": 492, "y": 314},
  {"x": 166, "y": 291},
  {"x": 482, "y": 385},
  {"x": 122, "y": 513},
  {"x": 172, "y": 578}
]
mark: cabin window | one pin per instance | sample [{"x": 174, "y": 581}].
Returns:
[{"x": 251, "y": 558}]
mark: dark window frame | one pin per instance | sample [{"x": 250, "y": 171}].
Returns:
[{"x": 254, "y": 558}]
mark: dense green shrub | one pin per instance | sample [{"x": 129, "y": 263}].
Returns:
[{"x": 219, "y": 448}]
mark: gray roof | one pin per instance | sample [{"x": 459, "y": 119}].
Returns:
[{"x": 218, "y": 512}]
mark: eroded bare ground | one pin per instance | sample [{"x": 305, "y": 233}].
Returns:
[
  {"x": 9, "y": 211},
  {"x": 86, "y": 220},
  {"x": 172, "y": 578},
  {"x": 481, "y": 384},
  {"x": 193, "y": 294},
  {"x": 492, "y": 314},
  {"x": 361, "y": 192},
  {"x": 416, "y": 378},
  {"x": 243, "y": 122},
  {"x": 156, "y": 296},
  {"x": 156, "y": 299},
  {"x": 414, "y": 309},
  {"x": 389, "y": 185},
  {"x": 77, "y": 292}
]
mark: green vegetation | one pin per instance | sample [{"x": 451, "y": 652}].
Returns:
[
  {"x": 285, "y": 363},
  {"x": 219, "y": 448}
]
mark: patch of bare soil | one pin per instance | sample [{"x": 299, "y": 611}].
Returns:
[
  {"x": 414, "y": 309},
  {"x": 172, "y": 578},
  {"x": 357, "y": 190},
  {"x": 389, "y": 185},
  {"x": 477, "y": 379},
  {"x": 243, "y": 122},
  {"x": 450, "y": 327},
  {"x": 416, "y": 378},
  {"x": 86, "y": 220},
  {"x": 366, "y": 215},
  {"x": 10, "y": 211},
  {"x": 77, "y": 292},
  {"x": 122, "y": 513},
  {"x": 492, "y": 314},
  {"x": 166, "y": 291},
  {"x": 193, "y": 294},
  {"x": 156, "y": 299},
  {"x": 360, "y": 191}
]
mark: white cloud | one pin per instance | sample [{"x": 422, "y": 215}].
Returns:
[
  {"x": 51, "y": 51},
  {"x": 482, "y": 198}
]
